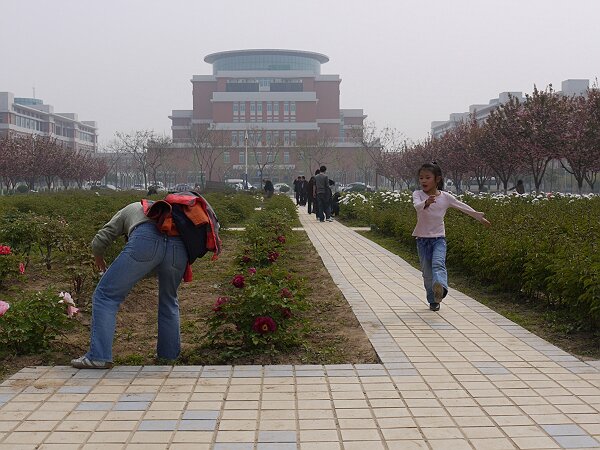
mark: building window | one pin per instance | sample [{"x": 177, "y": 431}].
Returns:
[
  {"x": 292, "y": 138},
  {"x": 258, "y": 157},
  {"x": 242, "y": 138},
  {"x": 259, "y": 108},
  {"x": 242, "y": 157},
  {"x": 276, "y": 138},
  {"x": 276, "y": 108},
  {"x": 268, "y": 137},
  {"x": 286, "y": 138},
  {"x": 252, "y": 108},
  {"x": 269, "y": 108},
  {"x": 226, "y": 157},
  {"x": 286, "y": 107},
  {"x": 236, "y": 106},
  {"x": 234, "y": 140},
  {"x": 286, "y": 157},
  {"x": 242, "y": 108},
  {"x": 293, "y": 107}
]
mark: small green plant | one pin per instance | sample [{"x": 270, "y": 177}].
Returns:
[{"x": 32, "y": 322}]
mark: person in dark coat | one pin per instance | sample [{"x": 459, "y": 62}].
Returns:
[
  {"x": 297, "y": 189},
  {"x": 310, "y": 196},
  {"x": 269, "y": 188},
  {"x": 303, "y": 191}
]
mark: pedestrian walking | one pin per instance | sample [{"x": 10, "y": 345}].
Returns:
[
  {"x": 164, "y": 237},
  {"x": 269, "y": 189},
  {"x": 431, "y": 203},
  {"x": 303, "y": 191},
  {"x": 297, "y": 189},
  {"x": 322, "y": 191}
]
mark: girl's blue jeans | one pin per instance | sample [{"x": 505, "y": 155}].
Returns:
[
  {"x": 147, "y": 250},
  {"x": 432, "y": 255}
]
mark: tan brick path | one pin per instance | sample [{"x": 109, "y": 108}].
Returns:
[{"x": 463, "y": 378}]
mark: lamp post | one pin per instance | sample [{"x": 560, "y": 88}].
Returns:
[{"x": 246, "y": 160}]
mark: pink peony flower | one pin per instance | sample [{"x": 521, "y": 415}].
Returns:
[
  {"x": 238, "y": 281},
  {"x": 4, "y": 250},
  {"x": 21, "y": 268},
  {"x": 3, "y": 307},
  {"x": 285, "y": 293},
  {"x": 71, "y": 310},
  {"x": 281, "y": 238},
  {"x": 264, "y": 325},
  {"x": 273, "y": 256},
  {"x": 252, "y": 270},
  {"x": 220, "y": 302}
]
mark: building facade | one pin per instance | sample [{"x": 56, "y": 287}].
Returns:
[
  {"x": 273, "y": 107},
  {"x": 481, "y": 112},
  {"x": 31, "y": 116}
]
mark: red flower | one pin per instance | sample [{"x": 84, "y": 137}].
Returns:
[
  {"x": 273, "y": 256},
  {"x": 21, "y": 268},
  {"x": 4, "y": 250},
  {"x": 285, "y": 293},
  {"x": 264, "y": 325},
  {"x": 252, "y": 270},
  {"x": 246, "y": 259},
  {"x": 286, "y": 312},
  {"x": 281, "y": 238},
  {"x": 238, "y": 281},
  {"x": 220, "y": 302}
]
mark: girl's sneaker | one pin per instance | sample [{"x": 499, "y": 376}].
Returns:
[{"x": 434, "y": 306}]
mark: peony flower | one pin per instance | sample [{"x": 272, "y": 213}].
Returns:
[
  {"x": 264, "y": 325},
  {"x": 4, "y": 250},
  {"x": 3, "y": 307},
  {"x": 71, "y": 311},
  {"x": 285, "y": 293},
  {"x": 238, "y": 281},
  {"x": 281, "y": 239},
  {"x": 246, "y": 259},
  {"x": 273, "y": 256},
  {"x": 286, "y": 312},
  {"x": 21, "y": 268},
  {"x": 220, "y": 302},
  {"x": 252, "y": 270}
]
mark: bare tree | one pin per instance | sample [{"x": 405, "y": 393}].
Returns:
[
  {"x": 316, "y": 151},
  {"x": 136, "y": 144}
]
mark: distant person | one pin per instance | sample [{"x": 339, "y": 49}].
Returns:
[
  {"x": 519, "y": 188},
  {"x": 152, "y": 191},
  {"x": 334, "y": 202},
  {"x": 431, "y": 203},
  {"x": 310, "y": 195},
  {"x": 269, "y": 189},
  {"x": 303, "y": 190},
  {"x": 322, "y": 194},
  {"x": 297, "y": 189}
]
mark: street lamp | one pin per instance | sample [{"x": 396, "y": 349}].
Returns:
[{"x": 246, "y": 159}]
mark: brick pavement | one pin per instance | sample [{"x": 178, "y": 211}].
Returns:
[{"x": 463, "y": 378}]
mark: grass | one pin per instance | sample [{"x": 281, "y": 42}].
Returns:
[{"x": 554, "y": 325}]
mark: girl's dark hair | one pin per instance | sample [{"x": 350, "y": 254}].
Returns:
[{"x": 436, "y": 171}]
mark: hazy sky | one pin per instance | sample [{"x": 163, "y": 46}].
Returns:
[{"x": 127, "y": 63}]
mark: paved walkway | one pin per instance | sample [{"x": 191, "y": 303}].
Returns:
[{"x": 463, "y": 378}]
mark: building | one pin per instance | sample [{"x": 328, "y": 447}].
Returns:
[
  {"x": 275, "y": 106},
  {"x": 32, "y": 116},
  {"x": 481, "y": 112}
]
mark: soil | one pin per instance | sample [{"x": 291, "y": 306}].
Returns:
[
  {"x": 554, "y": 325},
  {"x": 335, "y": 336}
]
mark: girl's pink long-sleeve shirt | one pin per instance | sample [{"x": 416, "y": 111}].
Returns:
[{"x": 430, "y": 220}]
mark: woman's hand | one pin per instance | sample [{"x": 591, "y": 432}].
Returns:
[{"x": 100, "y": 263}]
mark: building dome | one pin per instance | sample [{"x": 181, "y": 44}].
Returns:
[{"x": 267, "y": 59}]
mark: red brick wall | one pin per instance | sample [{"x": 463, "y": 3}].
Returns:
[
  {"x": 202, "y": 94},
  {"x": 328, "y": 93}
]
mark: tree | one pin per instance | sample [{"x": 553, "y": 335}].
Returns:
[
  {"x": 499, "y": 141},
  {"x": 316, "y": 150},
  {"x": 476, "y": 162},
  {"x": 540, "y": 123},
  {"x": 136, "y": 144},
  {"x": 158, "y": 151}
]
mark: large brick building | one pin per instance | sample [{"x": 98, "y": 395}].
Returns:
[
  {"x": 276, "y": 107},
  {"x": 23, "y": 115}
]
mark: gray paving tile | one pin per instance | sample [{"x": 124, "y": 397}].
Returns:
[
  {"x": 131, "y": 406},
  {"x": 563, "y": 430},
  {"x": 94, "y": 406},
  {"x": 233, "y": 446},
  {"x": 576, "y": 441},
  {"x": 137, "y": 397},
  {"x": 198, "y": 425},
  {"x": 200, "y": 414},
  {"x": 157, "y": 425}
]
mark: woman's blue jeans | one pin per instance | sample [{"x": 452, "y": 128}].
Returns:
[
  {"x": 147, "y": 250},
  {"x": 432, "y": 255}
]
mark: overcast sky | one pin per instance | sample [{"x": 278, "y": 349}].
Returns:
[{"x": 127, "y": 63}]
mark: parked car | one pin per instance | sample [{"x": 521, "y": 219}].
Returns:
[
  {"x": 282, "y": 187},
  {"x": 182, "y": 187},
  {"x": 357, "y": 187},
  {"x": 138, "y": 187}
]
